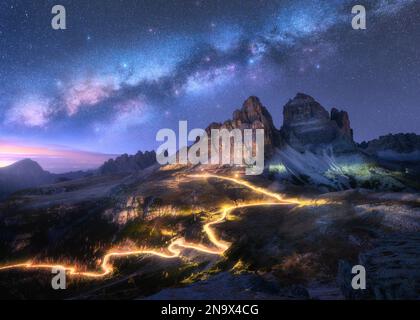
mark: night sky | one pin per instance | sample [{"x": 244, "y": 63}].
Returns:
[{"x": 124, "y": 69}]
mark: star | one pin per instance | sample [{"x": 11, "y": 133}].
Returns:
[{"x": 147, "y": 59}]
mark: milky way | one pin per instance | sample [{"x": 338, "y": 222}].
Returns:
[{"x": 122, "y": 70}]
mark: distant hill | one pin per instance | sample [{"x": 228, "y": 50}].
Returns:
[
  {"x": 394, "y": 147},
  {"x": 23, "y": 174},
  {"x": 127, "y": 164},
  {"x": 27, "y": 173}
]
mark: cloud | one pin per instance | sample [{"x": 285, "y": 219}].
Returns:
[
  {"x": 32, "y": 111},
  {"x": 300, "y": 20},
  {"x": 217, "y": 58},
  {"x": 225, "y": 37},
  {"x": 88, "y": 92},
  {"x": 208, "y": 79},
  {"x": 127, "y": 114}
]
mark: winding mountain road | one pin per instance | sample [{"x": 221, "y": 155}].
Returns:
[{"x": 175, "y": 248}]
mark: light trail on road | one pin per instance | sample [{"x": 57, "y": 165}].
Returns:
[
  {"x": 244, "y": 183},
  {"x": 174, "y": 250}
]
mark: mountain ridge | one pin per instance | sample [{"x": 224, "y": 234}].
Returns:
[
  {"x": 313, "y": 146},
  {"x": 27, "y": 173},
  {"x": 316, "y": 147}
]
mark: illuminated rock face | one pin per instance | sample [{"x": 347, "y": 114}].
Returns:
[
  {"x": 252, "y": 115},
  {"x": 307, "y": 124}
]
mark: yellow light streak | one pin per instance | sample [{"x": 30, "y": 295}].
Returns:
[
  {"x": 244, "y": 183},
  {"x": 174, "y": 250}
]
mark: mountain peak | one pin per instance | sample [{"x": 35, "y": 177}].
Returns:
[
  {"x": 23, "y": 174},
  {"x": 253, "y": 110},
  {"x": 252, "y": 115},
  {"x": 303, "y": 108},
  {"x": 343, "y": 122},
  {"x": 25, "y": 165},
  {"x": 129, "y": 163},
  {"x": 302, "y": 97},
  {"x": 307, "y": 122},
  {"x": 252, "y": 102}
]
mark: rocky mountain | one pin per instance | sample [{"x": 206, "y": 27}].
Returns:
[
  {"x": 394, "y": 147},
  {"x": 27, "y": 173},
  {"x": 127, "y": 164},
  {"x": 23, "y": 174},
  {"x": 253, "y": 115},
  {"x": 307, "y": 125},
  {"x": 317, "y": 148}
]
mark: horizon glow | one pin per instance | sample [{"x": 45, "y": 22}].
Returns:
[{"x": 51, "y": 158}]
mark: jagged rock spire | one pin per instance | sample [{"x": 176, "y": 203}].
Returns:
[{"x": 307, "y": 122}]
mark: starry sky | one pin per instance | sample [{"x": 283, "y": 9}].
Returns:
[{"x": 123, "y": 69}]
